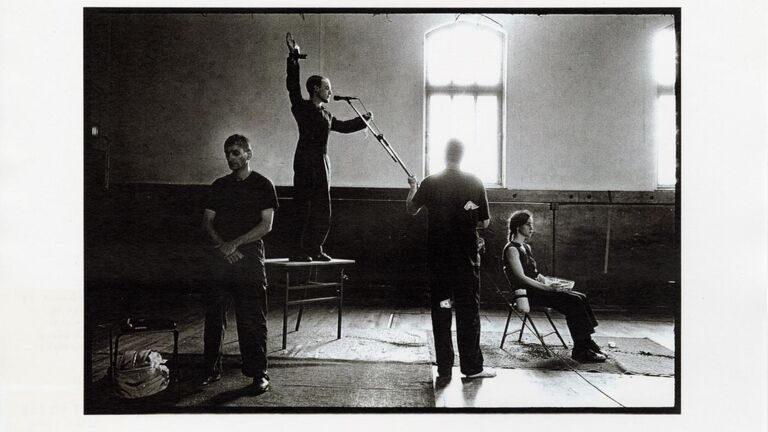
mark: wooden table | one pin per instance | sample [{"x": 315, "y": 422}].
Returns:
[{"x": 303, "y": 275}]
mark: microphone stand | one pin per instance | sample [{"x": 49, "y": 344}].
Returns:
[{"x": 383, "y": 141}]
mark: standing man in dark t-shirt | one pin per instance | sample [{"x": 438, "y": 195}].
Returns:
[
  {"x": 457, "y": 206},
  {"x": 238, "y": 213},
  {"x": 311, "y": 166}
]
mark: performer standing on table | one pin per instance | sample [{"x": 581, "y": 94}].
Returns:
[
  {"x": 457, "y": 206},
  {"x": 311, "y": 166},
  {"x": 238, "y": 213}
]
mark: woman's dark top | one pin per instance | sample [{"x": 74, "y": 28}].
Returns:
[{"x": 527, "y": 261}]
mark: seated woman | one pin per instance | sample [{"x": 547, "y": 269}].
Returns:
[{"x": 520, "y": 269}]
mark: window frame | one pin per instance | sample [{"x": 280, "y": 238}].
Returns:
[{"x": 663, "y": 89}]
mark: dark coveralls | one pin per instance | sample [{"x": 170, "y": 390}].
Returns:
[
  {"x": 454, "y": 264},
  {"x": 238, "y": 206},
  {"x": 311, "y": 166},
  {"x": 573, "y": 304}
]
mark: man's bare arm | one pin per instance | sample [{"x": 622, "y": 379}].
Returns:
[
  {"x": 208, "y": 216},
  {"x": 410, "y": 207}
]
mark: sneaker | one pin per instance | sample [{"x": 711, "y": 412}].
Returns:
[
  {"x": 485, "y": 373},
  {"x": 260, "y": 385}
]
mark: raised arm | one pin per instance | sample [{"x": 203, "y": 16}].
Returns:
[{"x": 292, "y": 80}]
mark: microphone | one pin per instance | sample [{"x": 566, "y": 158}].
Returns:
[{"x": 344, "y": 98}]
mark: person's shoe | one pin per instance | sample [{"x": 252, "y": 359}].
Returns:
[
  {"x": 485, "y": 373},
  {"x": 322, "y": 257},
  {"x": 210, "y": 377},
  {"x": 592, "y": 345},
  {"x": 300, "y": 257},
  {"x": 260, "y": 385},
  {"x": 586, "y": 355}
]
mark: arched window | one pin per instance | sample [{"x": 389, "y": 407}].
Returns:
[{"x": 464, "y": 92}]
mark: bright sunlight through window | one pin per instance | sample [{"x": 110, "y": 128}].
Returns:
[
  {"x": 465, "y": 97},
  {"x": 664, "y": 70}
]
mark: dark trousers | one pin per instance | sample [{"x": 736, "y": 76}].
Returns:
[
  {"x": 244, "y": 284},
  {"x": 462, "y": 283},
  {"x": 312, "y": 200},
  {"x": 574, "y": 305}
]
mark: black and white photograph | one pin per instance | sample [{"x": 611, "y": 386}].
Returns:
[
  {"x": 361, "y": 209},
  {"x": 513, "y": 214}
]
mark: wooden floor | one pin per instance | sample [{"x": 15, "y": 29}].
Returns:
[{"x": 512, "y": 388}]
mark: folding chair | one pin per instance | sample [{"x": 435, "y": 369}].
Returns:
[
  {"x": 507, "y": 295},
  {"x": 527, "y": 318}
]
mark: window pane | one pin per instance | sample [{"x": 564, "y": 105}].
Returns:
[
  {"x": 465, "y": 41},
  {"x": 665, "y": 139},
  {"x": 664, "y": 57},
  {"x": 475, "y": 123},
  {"x": 439, "y": 58},
  {"x": 464, "y": 54},
  {"x": 438, "y": 123},
  {"x": 482, "y": 158},
  {"x": 449, "y": 117}
]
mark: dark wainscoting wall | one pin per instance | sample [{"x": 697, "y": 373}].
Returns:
[{"x": 145, "y": 240}]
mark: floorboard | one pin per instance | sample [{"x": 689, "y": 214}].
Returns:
[{"x": 512, "y": 388}]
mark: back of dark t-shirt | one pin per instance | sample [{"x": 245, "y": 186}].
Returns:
[
  {"x": 238, "y": 204},
  {"x": 455, "y": 202}
]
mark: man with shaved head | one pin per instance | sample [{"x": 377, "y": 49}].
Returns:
[
  {"x": 311, "y": 165},
  {"x": 457, "y": 207}
]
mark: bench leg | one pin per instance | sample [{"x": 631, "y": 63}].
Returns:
[
  {"x": 285, "y": 308},
  {"x": 341, "y": 302}
]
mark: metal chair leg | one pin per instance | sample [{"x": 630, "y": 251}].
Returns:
[
  {"x": 525, "y": 318},
  {"x": 340, "y": 291},
  {"x": 506, "y": 327},
  {"x": 541, "y": 339},
  {"x": 555, "y": 329}
]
